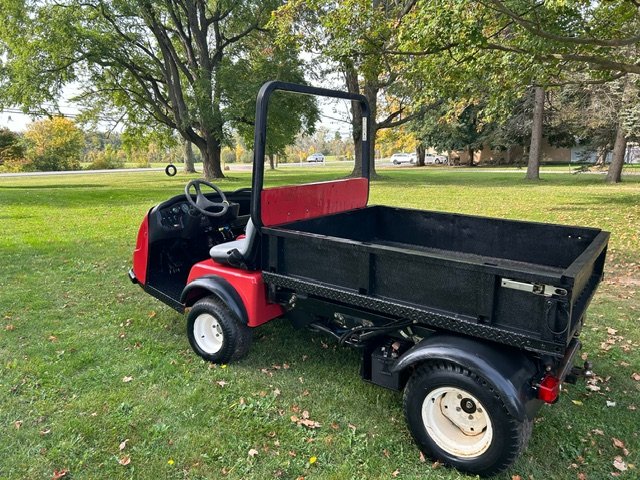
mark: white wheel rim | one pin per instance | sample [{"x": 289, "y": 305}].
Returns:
[
  {"x": 208, "y": 333},
  {"x": 457, "y": 422}
]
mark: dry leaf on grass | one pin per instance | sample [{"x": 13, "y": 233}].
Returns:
[
  {"x": 58, "y": 474},
  {"x": 636, "y": 377},
  {"x": 222, "y": 383},
  {"x": 124, "y": 461},
  {"x": 305, "y": 422},
  {"x": 123, "y": 445},
  {"x": 395, "y": 473},
  {"x": 17, "y": 424},
  {"x": 620, "y": 444},
  {"x": 619, "y": 463},
  {"x": 253, "y": 452},
  {"x": 127, "y": 379}
]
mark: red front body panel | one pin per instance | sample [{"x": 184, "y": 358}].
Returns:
[
  {"x": 249, "y": 286},
  {"x": 291, "y": 203},
  {"x": 141, "y": 253}
]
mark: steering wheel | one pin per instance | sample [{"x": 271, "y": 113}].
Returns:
[{"x": 202, "y": 203}]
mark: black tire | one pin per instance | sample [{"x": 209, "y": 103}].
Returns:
[
  {"x": 504, "y": 436},
  {"x": 170, "y": 170},
  {"x": 230, "y": 338}
]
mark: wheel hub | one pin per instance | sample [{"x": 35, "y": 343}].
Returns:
[
  {"x": 468, "y": 405},
  {"x": 457, "y": 422},
  {"x": 208, "y": 333}
]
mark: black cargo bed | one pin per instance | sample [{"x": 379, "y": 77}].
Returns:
[{"x": 453, "y": 272}]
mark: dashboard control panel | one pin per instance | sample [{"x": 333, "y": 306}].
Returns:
[{"x": 173, "y": 217}]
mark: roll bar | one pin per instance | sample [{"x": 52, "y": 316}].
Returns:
[{"x": 260, "y": 134}]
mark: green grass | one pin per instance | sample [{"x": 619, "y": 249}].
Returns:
[{"x": 72, "y": 327}]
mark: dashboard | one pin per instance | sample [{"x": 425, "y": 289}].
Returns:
[{"x": 174, "y": 217}]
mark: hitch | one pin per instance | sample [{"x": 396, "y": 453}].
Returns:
[{"x": 585, "y": 371}]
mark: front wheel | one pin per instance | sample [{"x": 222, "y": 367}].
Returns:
[
  {"x": 215, "y": 333},
  {"x": 456, "y": 417}
]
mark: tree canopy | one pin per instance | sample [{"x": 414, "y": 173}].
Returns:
[{"x": 175, "y": 64}]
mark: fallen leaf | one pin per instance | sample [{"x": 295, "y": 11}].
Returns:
[
  {"x": 124, "y": 461},
  {"x": 516, "y": 477},
  {"x": 152, "y": 314},
  {"x": 127, "y": 379},
  {"x": 395, "y": 473},
  {"x": 45, "y": 432},
  {"x": 436, "y": 464},
  {"x": 352, "y": 427},
  {"x": 222, "y": 383},
  {"x": 619, "y": 464},
  {"x": 53, "y": 338},
  {"x": 611, "y": 404},
  {"x": 123, "y": 444},
  {"x": 582, "y": 476},
  {"x": 636, "y": 377},
  {"x": 611, "y": 331},
  {"x": 57, "y": 474},
  {"x": 597, "y": 431},
  {"x": 592, "y": 388},
  {"x": 9, "y": 328},
  {"x": 576, "y": 402},
  {"x": 276, "y": 392},
  {"x": 17, "y": 424},
  {"x": 422, "y": 458},
  {"x": 620, "y": 444},
  {"x": 253, "y": 452}
]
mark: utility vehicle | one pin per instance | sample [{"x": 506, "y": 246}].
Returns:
[{"x": 486, "y": 337}]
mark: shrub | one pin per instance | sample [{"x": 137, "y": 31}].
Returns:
[
  {"x": 106, "y": 159},
  {"x": 54, "y": 144},
  {"x": 11, "y": 149}
]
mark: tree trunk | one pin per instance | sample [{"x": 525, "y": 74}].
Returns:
[
  {"x": 420, "y": 151},
  {"x": 211, "y": 160},
  {"x": 272, "y": 165},
  {"x": 353, "y": 86},
  {"x": 508, "y": 159},
  {"x": 535, "y": 148},
  {"x": 471, "y": 152},
  {"x": 187, "y": 155},
  {"x": 601, "y": 156},
  {"x": 614, "y": 175}
]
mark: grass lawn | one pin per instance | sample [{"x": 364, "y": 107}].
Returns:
[{"x": 89, "y": 363}]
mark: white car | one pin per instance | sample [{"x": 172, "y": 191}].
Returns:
[
  {"x": 430, "y": 158},
  {"x": 316, "y": 157},
  {"x": 398, "y": 158}
]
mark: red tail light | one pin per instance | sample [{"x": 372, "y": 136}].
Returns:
[{"x": 549, "y": 389}]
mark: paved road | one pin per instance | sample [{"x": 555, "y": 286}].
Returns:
[
  {"x": 80, "y": 172},
  {"x": 246, "y": 167}
]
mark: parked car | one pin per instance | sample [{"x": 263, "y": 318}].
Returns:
[
  {"x": 430, "y": 158},
  {"x": 316, "y": 157},
  {"x": 398, "y": 158}
]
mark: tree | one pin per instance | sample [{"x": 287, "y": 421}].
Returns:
[
  {"x": 11, "y": 147},
  {"x": 495, "y": 49},
  {"x": 54, "y": 144},
  {"x": 170, "y": 62},
  {"x": 444, "y": 131},
  {"x": 535, "y": 148},
  {"x": 352, "y": 37}
]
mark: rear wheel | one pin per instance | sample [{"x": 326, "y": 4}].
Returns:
[
  {"x": 456, "y": 417},
  {"x": 215, "y": 333}
]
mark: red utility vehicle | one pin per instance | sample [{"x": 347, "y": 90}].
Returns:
[{"x": 486, "y": 334}]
